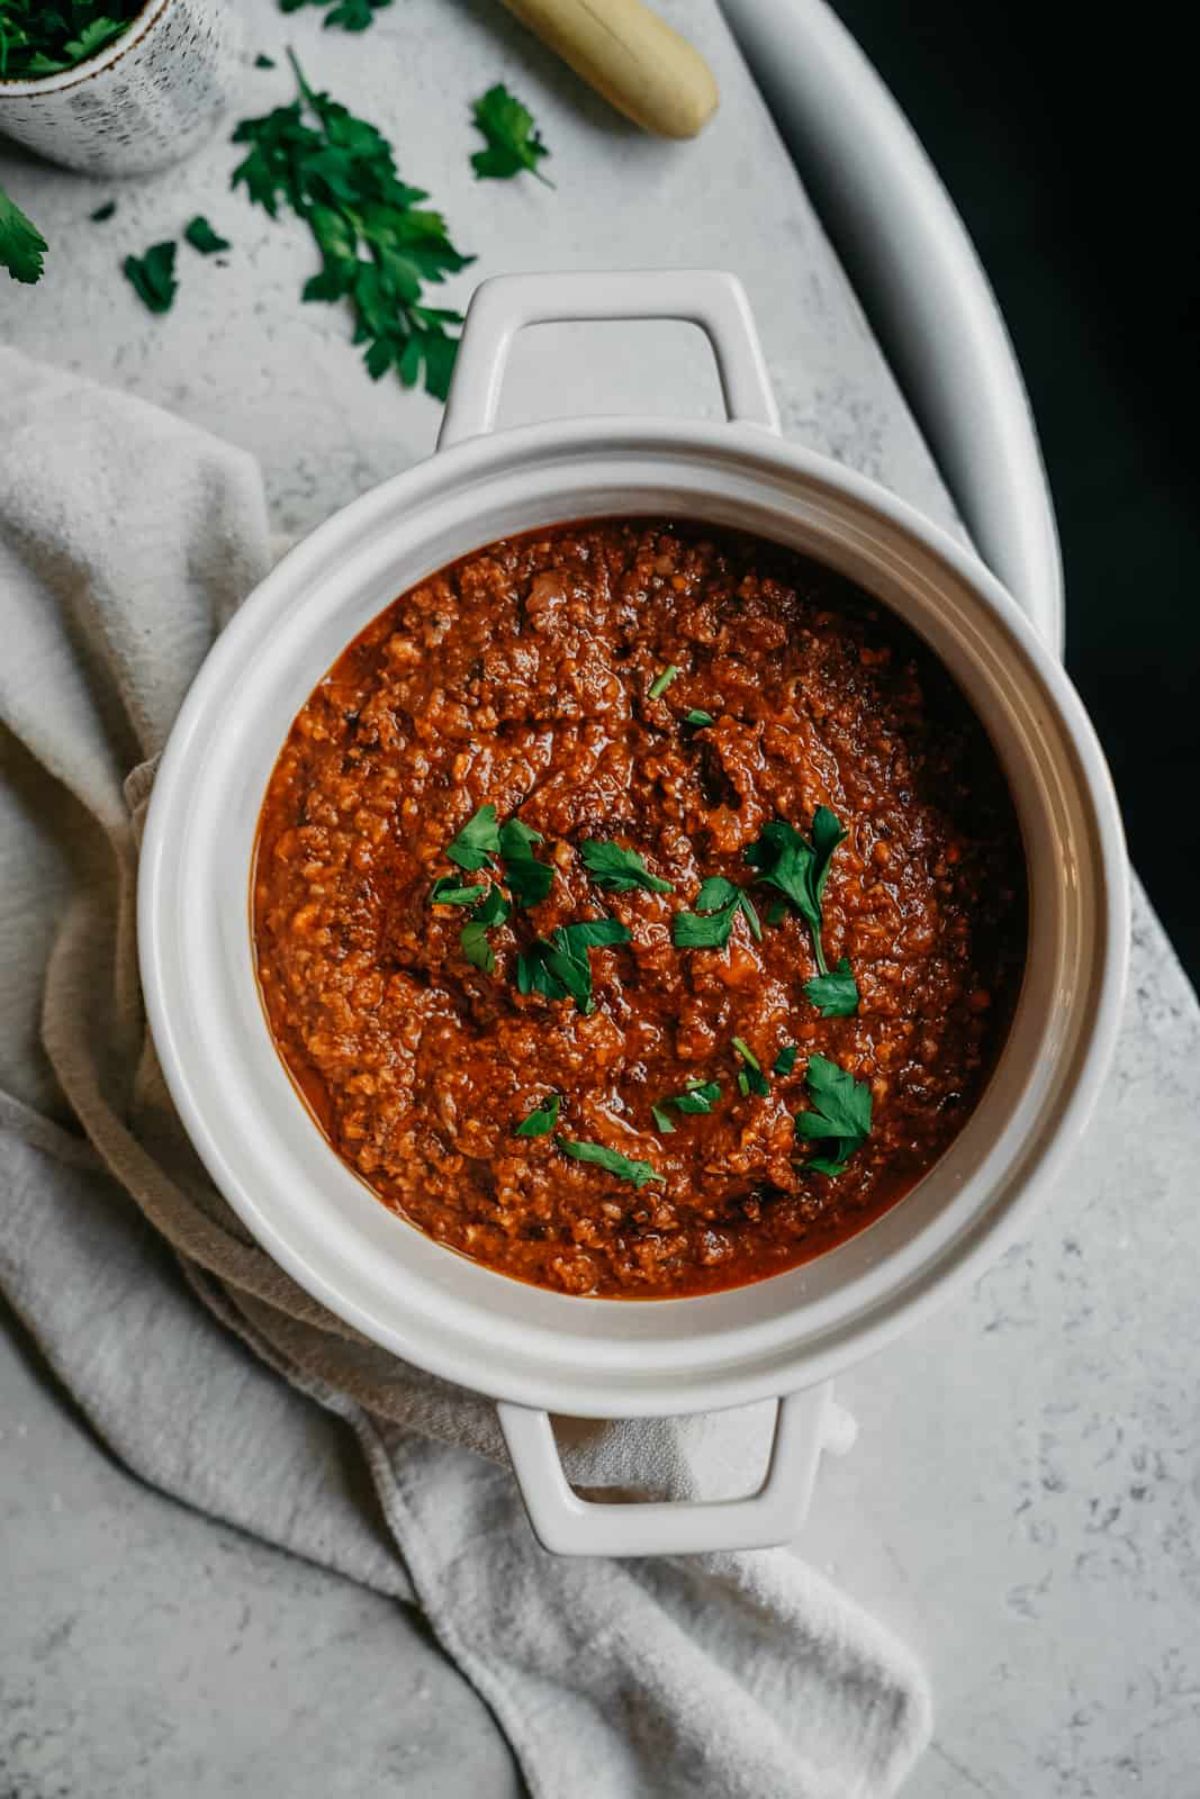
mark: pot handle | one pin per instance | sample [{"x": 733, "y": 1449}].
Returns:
[
  {"x": 507, "y": 303},
  {"x": 805, "y": 1424}
]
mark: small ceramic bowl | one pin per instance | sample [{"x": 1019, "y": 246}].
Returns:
[
  {"x": 535, "y": 1351},
  {"x": 144, "y": 102}
]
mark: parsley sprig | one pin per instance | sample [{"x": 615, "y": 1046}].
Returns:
[
  {"x": 513, "y": 140},
  {"x": 558, "y": 966},
  {"x": 611, "y": 866},
  {"x": 717, "y": 905},
  {"x": 640, "y": 1173},
  {"x": 697, "y": 1097},
  {"x": 799, "y": 868},
  {"x": 840, "y": 1114},
  {"x": 378, "y": 245}
]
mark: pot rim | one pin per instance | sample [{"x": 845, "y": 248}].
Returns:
[{"x": 954, "y": 1262}]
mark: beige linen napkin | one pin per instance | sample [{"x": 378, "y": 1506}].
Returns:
[{"x": 126, "y": 540}]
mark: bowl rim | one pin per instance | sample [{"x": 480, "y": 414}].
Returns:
[{"x": 954, "y": 1266}]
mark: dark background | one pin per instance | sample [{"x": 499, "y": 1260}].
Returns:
[{"x": 1069, "y": 149}]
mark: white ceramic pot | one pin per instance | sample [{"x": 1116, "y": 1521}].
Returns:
[
  {"x": 144, "y": 102},
  {"x": 534, "y": 1351}
]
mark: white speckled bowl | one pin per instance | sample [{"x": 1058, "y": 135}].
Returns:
[
  {"x": 529, "y": 1348},
  {"x": 144, "y": 102}
]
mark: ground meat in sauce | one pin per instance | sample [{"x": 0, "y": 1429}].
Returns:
[{"x": 520, "y": 677}]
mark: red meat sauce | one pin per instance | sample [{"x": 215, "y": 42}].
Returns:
[{"x": 520, "y": 677}]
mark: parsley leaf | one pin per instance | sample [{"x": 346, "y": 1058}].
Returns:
[
  {"x": 799, "y": 868},
  {"x": 262, "y": 61},
  {"x": 478, "y": 839},
  {"x": 840, "y": 1114},
  {"x": 661, "y": 682},
  {"x": 528, "y": 880},
  {"x": 717, "y": 905},
  {"x": 697, "y": 1097},
  {"x": 698, "y": 717},
  {"x": 558, "y": 967},
  {"x": 640, "y": 1173},
  {"x": 542, "y": 1120},
  {"x": 202, "y": 237},
  {"x": 751, "y": 1078},
  {"x": 513, "y": 140},
  {"x": 834, "y": 994},
  {"x": 152, "y": 276},
  {"x": 347, "y": 15},
  {"x": 378, "y": 245},
  {"x": 103, "y": 212},
  {"x": 22, "y": 245},
  {"x": 43, "y": 37},
  {"x": 493, "y": 909},
  {"x": 446, "y": 891},
  {"x": 785, "y": 1061},
  {"x": 611, "y": 866}
]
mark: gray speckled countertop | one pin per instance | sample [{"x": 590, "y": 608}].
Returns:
[{"x": 1021, "y": 1504}]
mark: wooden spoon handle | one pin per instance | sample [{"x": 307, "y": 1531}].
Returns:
[{"x": 631, "y": 56}]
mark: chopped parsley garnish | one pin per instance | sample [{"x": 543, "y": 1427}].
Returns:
[
  {"x": 478, "y": 840},
  {"x": 835, "y": 994},
  {"x": 785, "y": 1061},
  {"x": 102, "y": 213},
  {"x": 661, "y": 682},
  {"x": 697, "y": 717},
  {"x": 697, "y": 1097},
  {"x": 717, "y": 905},
  {"x": 202, "y": 237},
  {"x": 527, "y": 879},
  {"x": 751, "y": 1078},
  {"x": 558, "y": 967},
  {"x": 262, "y": 61},
  {"x": 513, "y": 140},
  {"x": 447, "y": 891},
  {"x": 347, "y": 15},
  {"x": 493, "y": 909},
  {"x": 152, "y": 276},
  {"x": 640, "y": 1173},
  {"x": 22, "y": 245},
  {"x": 799, "y": 868},
  {"x": 542, "y": 1120},
  {"x": 378, "y": 245},
  {"x": 611, "y": 866},
  {"x": 840, "y": 1116}
]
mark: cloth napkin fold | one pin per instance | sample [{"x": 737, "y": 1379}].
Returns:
[{"x": 127, "y": 539}]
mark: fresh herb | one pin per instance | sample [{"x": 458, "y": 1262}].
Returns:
[
  {"x": 152, "y": 276},
  {"x": 202, "y": 237},
  {"x": 558, "y": 967},
  {"x": 39, "y": 39},
  {"x": 640, "y": 1173},
  {"x": 264, "y": 62},
  {"x": 22, "y": 245},
  {"x": 542, "y": 1120},
  {"x": 378, "y": 245},
  {"x": 785, "y": 1061},
  {"x": 840, "y": 1114},
  {"x": 697, "y": 1097},
  {"x": 717, "y": 905},
  {"x": 493, "y": 909},
  {"x": 661, "y": 682},
  {"x": 698, "y": 718},
  {"x": 611, "y": 866},
  {"x": 799, "y": 867},
  {"x": 528, "y": 880},
  {"x": 477, "y": 841},
  {"x": 751, "y": 1078},
  {"x": 513, "y": 140},
  {"x": 835, "y": 994},
  {"x": 103, "y": 212},
  {"x": 447, "y": 891},
  {"x": 347, "y": 15}
]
